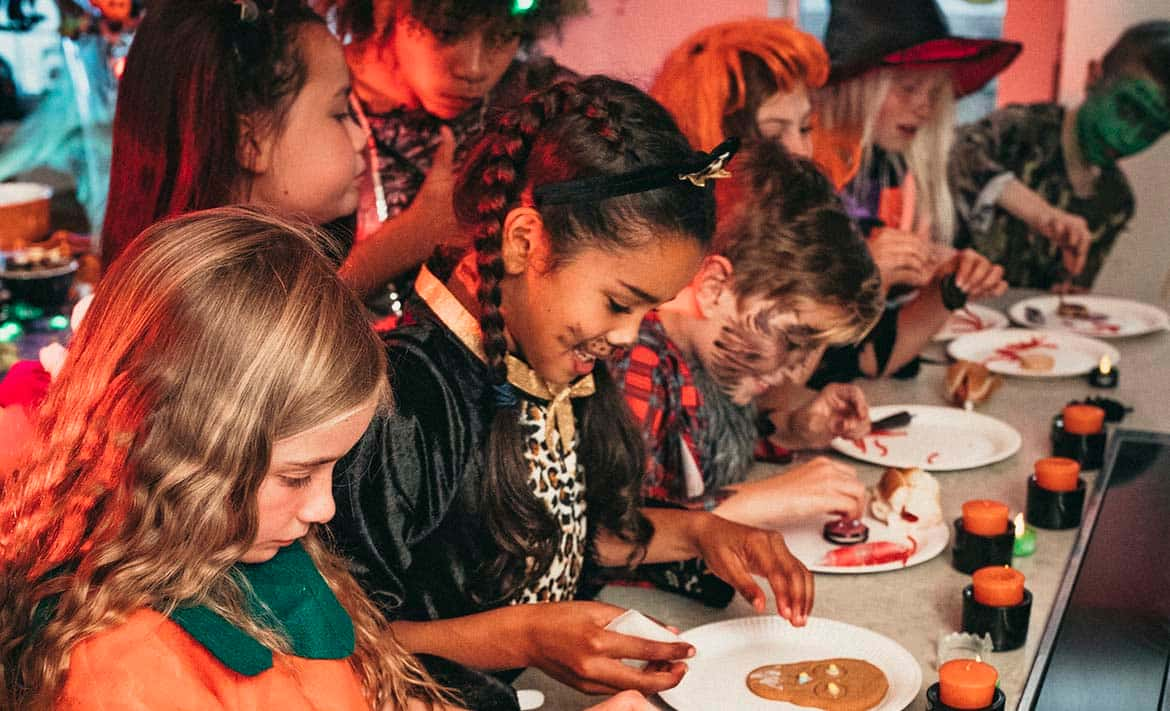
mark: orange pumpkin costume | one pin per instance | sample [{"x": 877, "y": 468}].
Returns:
[
  {"x": 196, "y": 660},
  {"x": 150, "y": 662}
]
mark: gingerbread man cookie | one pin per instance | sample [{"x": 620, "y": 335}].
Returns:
[{"x": 832, "y": 684}]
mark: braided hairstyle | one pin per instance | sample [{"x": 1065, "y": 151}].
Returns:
[
  {"x": 593, "y": 127},
  {"x": 196, "y": 71}
]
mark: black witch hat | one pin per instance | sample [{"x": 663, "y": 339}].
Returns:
[{"x": 867, "y": 34}]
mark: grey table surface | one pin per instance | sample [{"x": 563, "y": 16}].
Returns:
[{"x": 915, "y": 606}]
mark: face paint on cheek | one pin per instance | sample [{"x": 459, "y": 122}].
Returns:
[
  {"x": 1121, "y": 120},
  {"x": 748, "y": 347}
]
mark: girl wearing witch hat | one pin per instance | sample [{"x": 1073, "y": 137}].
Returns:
[{"x": 884, "y": 127}]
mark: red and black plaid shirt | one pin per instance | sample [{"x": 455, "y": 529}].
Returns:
[{"x": 662, "y": 396}]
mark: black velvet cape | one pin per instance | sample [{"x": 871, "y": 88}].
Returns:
[
  {"x": 407, "y": 495},
  {"x": 409, "y": 512}
]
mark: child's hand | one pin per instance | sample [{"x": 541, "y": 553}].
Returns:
[
  {"x": 974, "y": 274},
  {"x": 1069, "y": 232},
  {"x": 814, "y": 488},
  {"x": 569, "y": 642},
  {"x": 625, "y": 701},
  {"x": 434, "y": 203},
  {"x": 734, "y": 552},
  {"x": 839, "y": 410},
  {"x": 901, "y": 257}
]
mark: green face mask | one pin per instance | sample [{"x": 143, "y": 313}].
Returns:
[{"x": 1121, "y": 120}]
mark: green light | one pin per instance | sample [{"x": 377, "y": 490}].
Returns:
[
  {"x": 10, "y": 331},
  {"x": 519, "y": 7},
  {"x": 26, "y": 312},
  {"x": 58, "y": 323}
]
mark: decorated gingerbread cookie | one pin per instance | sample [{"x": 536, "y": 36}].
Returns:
[{"x": 831, "y": 684}]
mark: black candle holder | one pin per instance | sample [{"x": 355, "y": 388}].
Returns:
[
  {"x": 1054, "y": 509},
  {"x": 1104, "y": 380},
  {"x": 1007, "y": 626},
  {"x": 934, "y": 703},
  {"x": 1088, "y": 450},
  {"x": 973, "y": 551}
]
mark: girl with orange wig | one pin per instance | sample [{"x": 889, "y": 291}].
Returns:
[{"x": 749, "y": 78}]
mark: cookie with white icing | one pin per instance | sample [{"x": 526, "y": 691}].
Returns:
[{"x": 838, "y": 684}]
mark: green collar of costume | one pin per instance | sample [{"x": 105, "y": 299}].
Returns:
[
  {"x": 1121, "y": 120},
  {"x": 287, "y": 594}
]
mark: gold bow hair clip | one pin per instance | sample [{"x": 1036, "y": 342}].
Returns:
[
  {"x": 713, "y": 170},
  {"x": 697, "y": 169}
]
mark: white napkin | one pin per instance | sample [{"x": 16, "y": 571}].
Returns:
[{"x": 635, "y": 624}]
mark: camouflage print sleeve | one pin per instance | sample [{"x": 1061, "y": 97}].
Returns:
[{"x": 980, "y": 166}]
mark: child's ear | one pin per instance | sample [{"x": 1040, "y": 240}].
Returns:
[
  {"x": 254, "y": 150},
  {"x": 523, "y": 239},
  {"x": 713, "y": 284}
]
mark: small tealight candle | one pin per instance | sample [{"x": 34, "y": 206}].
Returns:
[
  {"x": 1025, "y": 544},
  {"x": 985, "y": 518},
  {"x": 998, "y": 586},
  {"x": 1105, "y": 375},
  {"x": 967, "y": 684},
  {"x": 1057, "y": 473},
  {"x": 1083, "y": 419}
]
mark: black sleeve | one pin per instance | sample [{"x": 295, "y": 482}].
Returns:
[
  {"x": 842, "y": 364},
  {"x": 397, "y": 484}
]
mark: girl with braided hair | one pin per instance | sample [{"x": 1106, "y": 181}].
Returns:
[
  {"x": 509, "y": 464},
  {"x": 159, "y": 545}
]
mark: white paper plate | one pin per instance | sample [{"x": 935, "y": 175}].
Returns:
[
  {"x": 1124, "y": 317},
  {"x": 809, "y": 546},
  {"x": 959, "y": 323},
  {"x": 726, "y": 652},
  {"x": 1071, "y": 354},
  {"x": 937, "y": 439}
]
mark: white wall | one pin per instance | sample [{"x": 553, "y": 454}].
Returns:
[
  {"x": 1138, "y": 266},
  {"x": 628, "y": 39}
]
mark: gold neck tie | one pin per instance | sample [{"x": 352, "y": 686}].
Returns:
[
  {"x": 560, "y": 406},
  {"x": 520, "y": 375}
]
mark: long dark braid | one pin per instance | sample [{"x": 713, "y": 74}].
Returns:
[{"x": 597, "y": 126}]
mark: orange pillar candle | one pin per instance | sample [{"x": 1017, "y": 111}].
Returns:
[
  {"x": 998, "y": 586},
  {"x": 985, "y": 518},
  {"x": 1058, "y": 473},
  {"x": 1083, "y": 419},
  {"x": 966, "y": 684}
]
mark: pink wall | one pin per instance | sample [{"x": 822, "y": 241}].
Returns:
[
  {"x": 1035, "y": 75},
  {"x": 628, "y": 39}
]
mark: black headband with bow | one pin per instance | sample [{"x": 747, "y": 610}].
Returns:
[{"x": 696, "y": 170}]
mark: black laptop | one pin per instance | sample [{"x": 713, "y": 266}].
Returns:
[{"x": 1107, "y": 643}]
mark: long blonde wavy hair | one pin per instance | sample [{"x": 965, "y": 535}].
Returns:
[
  {"x": 214, "y": 336},
  {"x": 843, "y": 142}
]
